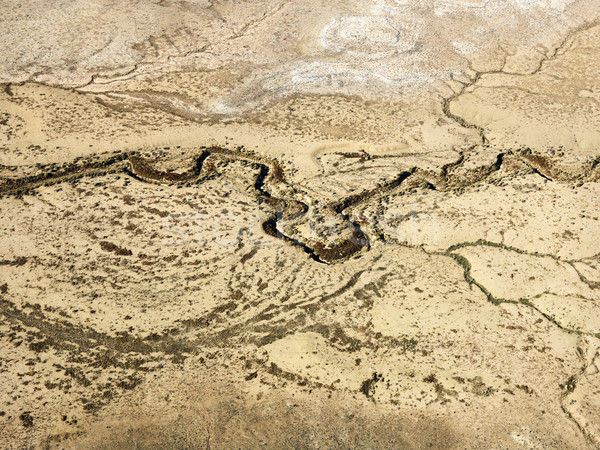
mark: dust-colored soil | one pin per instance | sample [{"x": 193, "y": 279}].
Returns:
[{"x": 368, "y": 224}]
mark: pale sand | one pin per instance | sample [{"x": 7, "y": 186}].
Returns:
[{"x": 439, "y": 159}]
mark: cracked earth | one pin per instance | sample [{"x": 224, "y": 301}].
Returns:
[{"x": 368, "y": 224}]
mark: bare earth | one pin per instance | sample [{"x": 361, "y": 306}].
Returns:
[{"x": 261, "y": 223}]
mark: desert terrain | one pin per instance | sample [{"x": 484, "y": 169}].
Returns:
[{"x": 262, "y": 223}]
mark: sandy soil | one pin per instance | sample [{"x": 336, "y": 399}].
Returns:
[{"x": 367, "y": 224}]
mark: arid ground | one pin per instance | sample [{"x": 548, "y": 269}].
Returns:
[{"x": 309, "y": 224}]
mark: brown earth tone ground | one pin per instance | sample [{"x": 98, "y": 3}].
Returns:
[{"x": 242, "y": 224}]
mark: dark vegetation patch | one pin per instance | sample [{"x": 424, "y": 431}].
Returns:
[
  {"x": 431, "y": 378},
  {"x": 525, "y": 388},
  {"x": 18, "y": 261},
  {"x": 110, "y": 247},
  {"x": 368, "y": 386},
  {"x": 269, "y": 226},
  {"x": 344, "y": 249},
  {"x": 478, "y": 387},
  {"x": 77, "y": 375},
  {"x": 406, "y": 344},
  {"x": 40, "y": 346},
  {"x": 570, "y": 385},
  {"x": 277, "y": 172},
  {"x": 248, "y": 255},
  {"x": 155, "y": 211},
  {"x": 26, "y": 419},
  {"x": 337, "y": 337},
  {"x": 345, "y": 288},
  {"x": 66, "y": 336},
  {"x": 275, "y": 370},
  {"x": 540, "y": 163},
  {"x": 52, "y": 173}
]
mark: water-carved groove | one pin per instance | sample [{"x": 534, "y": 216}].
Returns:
[
  {"x": 459, "y": 120},
  {"x": 568, "y": 388},
  {"x": 142, "y": 169},
  {"x": 291, "y": 209}
]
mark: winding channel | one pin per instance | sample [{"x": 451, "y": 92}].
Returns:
[{"x": 269, "y": 171}]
